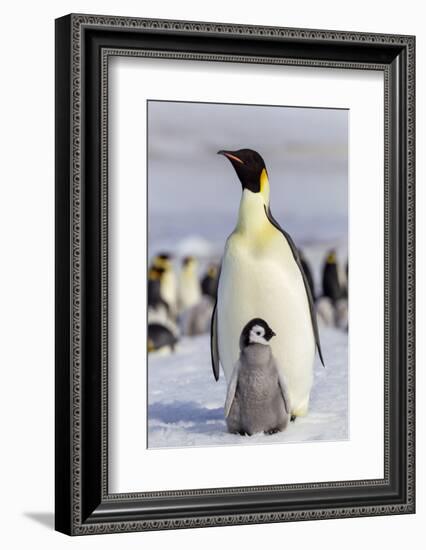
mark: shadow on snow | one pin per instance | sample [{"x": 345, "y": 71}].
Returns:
[{"x": 183, "y": 411}]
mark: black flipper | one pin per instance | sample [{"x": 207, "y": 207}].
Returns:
[
  {"x": 214, "y": 348},
  {"x": 305, "y": 281}
]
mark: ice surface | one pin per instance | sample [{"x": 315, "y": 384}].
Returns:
[{"x": 185, "y": 404}]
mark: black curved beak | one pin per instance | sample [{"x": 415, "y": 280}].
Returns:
[{"x": 230, "y": 156}]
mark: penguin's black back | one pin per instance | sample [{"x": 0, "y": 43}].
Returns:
[
  {"x": 330, "y": 282},
  {"x": 209, "y": 286},
  {"x": 159, "y": 336},
  {"x": 308, "y": 274},
  {"x": 154, "y": 294}
]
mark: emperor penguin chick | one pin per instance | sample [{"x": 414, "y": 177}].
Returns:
[{"x": 257, "y": 398}]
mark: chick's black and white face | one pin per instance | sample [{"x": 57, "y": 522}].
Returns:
[
  {"x": 256, "y": 331},
  {"x": 257, "y": 335}
]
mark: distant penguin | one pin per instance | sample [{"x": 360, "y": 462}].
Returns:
[
  {"x": 257, "y": 399},
  {"x": 325, "y": 311},
  {"x": 330, "y": 278},
  {"x": 168, "y": 281},
  {"x": 308, "y": 273},
  {"x": 160, "y": 338},
  {"x": 345, "y": 280},
  {"x": 189, "y": 284},
  {"x": 158, "y": 309},
  {"x": 262, "y": 276},
  {"x": 209, "y": 282},
  {"x": 196, "y": 319},
  {"x": 342, "y": 314}
]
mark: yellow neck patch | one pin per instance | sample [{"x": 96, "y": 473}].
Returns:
[
  {"x": 252, "y": 220},
  {"x": 264, "y": 186},
  {"x": 212, "y": 272},
  {"x": 154, "y": 275},
  {"x": 163, "y": 263}
]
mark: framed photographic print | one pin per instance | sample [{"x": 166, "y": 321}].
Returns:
[{"x": 234, "y": 274}]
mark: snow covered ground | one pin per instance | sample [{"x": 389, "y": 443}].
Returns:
[{"x": 185, "y": 404}]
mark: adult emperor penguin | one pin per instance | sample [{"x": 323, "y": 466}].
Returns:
[
  {"x": 160, "y": 338},
  {"x": 331, "y": 280},
  {"x": 261, "y": 276},
  {"x": 209, "y": 282},
  {"x": 189, "y": 284},
  {"x": 168, "y": 281},
  {"x": 158, "y": 309}
]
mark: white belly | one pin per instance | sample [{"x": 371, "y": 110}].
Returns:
[
  {"x": 267, "y": 283},
  {"x": 168, "y": 289},
  {"x": 189, "y": 291}
]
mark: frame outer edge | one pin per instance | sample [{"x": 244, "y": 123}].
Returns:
[
  {"x": 77, "y": 22},
  {"x": 411, "y": 272},
  {"x": 77, "y": 254},
  {"x": 63, "y": 493}
]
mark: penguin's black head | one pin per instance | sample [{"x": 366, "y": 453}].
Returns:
[
  {"x": 256, "y": 331},
  {"x": 331, "y": 257},
  {"x": 187, "y": 260},
  {"x": 249, "y": 166},
  {"x": 162, "y": 261}
]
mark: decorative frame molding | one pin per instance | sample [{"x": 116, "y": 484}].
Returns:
[{"x": 84, "y": 43}]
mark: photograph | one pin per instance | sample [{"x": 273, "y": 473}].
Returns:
[
  {"x": 234, "y": 273},
  {"x": 247, "y": 274}
]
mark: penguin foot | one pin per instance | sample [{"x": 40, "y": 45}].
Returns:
[
  {"x": 236, "y": 432},
  {"x": 273, "y": 431},
  {"x": 293, "y": 418}
]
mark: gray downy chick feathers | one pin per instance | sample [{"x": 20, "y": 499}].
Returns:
[{"x": 257, "y": 398}]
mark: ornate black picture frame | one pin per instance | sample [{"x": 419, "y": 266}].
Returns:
[{"x": 84, "y": 44}]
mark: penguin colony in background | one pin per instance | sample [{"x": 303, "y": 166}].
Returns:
[
  {"x": 332, "y": 304},
  {"x": 165, "y": 297},
  {"x": 178, "y": 303}
]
